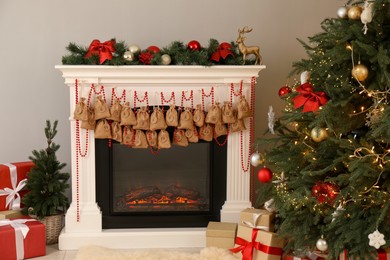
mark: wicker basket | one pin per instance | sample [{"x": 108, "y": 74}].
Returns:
[{"x": 54, "y": 226}]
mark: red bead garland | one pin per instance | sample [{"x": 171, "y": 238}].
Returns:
[
  {"x": 172, "y": 99},
  {"x": 115, "y": 97},
  {"x": 191, "y": 98},
  {"x": 211, "y": 94},
  {"x": 145, "y": 99},
  {"x": 225, "y": 141}
]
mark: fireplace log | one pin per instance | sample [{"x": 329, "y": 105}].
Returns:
[
  {"x": 142, "y": 193},
  {"x": 176, "y": 191}
]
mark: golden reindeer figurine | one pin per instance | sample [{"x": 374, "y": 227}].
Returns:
[{"x": 247, "y": 49}]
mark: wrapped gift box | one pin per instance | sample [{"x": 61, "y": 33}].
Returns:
[
  {"x": 7, "y": 214},
  {"x": 221, "y": 234},
  {"x": 16, "y": 245},
  {"x": 257, "y": 217},
  {"x": 381, "y": 253},
  {"x": 12, "y": 180},
  {"x": 255, "y": 244}
]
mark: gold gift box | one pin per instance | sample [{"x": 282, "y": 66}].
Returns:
[{"x": 221, "y": 234}]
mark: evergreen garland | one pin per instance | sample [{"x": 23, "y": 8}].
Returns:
[
  {"x": 177, "y": 50},
  {"x": 45, "y": 181}
]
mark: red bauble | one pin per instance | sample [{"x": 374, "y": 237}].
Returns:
[
  {"x": 194, "y": 45},
  {"x": 145, "y": 57},
  {"x": 153, "y": 49},
  {"x": 284, "y": 91},
  {"x": 264, "y": 175}
]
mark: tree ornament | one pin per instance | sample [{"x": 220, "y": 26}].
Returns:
[
  {"x": 342, "y": 12},
  {"x": 194, "y": 45},
  {"x": 360, "y": 72},
  {"x": 310, "y": 100},
  {"x": 354, "y": 12},
  {"x": 153, "y": 49},
  {"x": 145, "y": 57},
  {"x": 305, "y": 77},
  {"x": 337, "y": 212},
  {"x": 166, "y": 59},
  {"x": 325, "y": 192},
  {"x": 128, "y": 55},
  {"x": 257, "y": 159},
  {"x": 134, "y": 48},
  {"x": 271, "y": 120},
  {"x": 366, "y": 16},
  {"x": 264, "y": 175},
  {"x": 318, "y": 134},
  {"x": 321, "y": 244},
  {"x": 283, "y": 91},
  {"x": 377, "y": 239}
]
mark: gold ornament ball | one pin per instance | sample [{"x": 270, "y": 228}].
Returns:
[
  {"x": 128, "y": 55},
  {"x": 354, "y": 12},
  {"x": 318, "y": 134},
  {"x": 166, "y": 59},
  {"x": 360, "y": 72},
  {"x": 134, "y": 48}
]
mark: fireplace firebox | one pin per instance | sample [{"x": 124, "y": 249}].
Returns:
[{"x": 176, "y": 187}]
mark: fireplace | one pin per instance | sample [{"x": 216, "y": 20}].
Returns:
[
  {"x": 85, "y": 220},
  {"x": 176, "y": 187}
]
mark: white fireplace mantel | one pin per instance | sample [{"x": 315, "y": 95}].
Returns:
[{"x": 83, "y": 221}]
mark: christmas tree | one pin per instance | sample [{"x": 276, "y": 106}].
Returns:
[
  {"x": 330, "y": 155},
  {"x": 46, "y": 182}
]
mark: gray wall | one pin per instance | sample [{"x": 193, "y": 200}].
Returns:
[{"x": 34, "y": 35}]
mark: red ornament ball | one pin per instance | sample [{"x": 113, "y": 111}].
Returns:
[
  {"x": 194, "y": 45},
  {"x": 264, "y": 175},
  {"x": 284, "y": 91},
  {"x": 153, "y": 49}
]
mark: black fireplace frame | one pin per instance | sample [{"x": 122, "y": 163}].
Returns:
[{"x": 104, "y": 194}]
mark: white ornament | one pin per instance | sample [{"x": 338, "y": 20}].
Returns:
[
  {"x": 377, "y": 239},
  {"x": 256, "y": 159},
  {"x": 305, "y": 76},
  {"x": 322, "y": 245},
  {"x": 366, "y": 16},
  {"x": 271, "y": 120},
  {"x": 134, "y": 48},
  {"x": 337, "y": 212},
  {"x": 270, "y": 205},
  {"x": 342, "y": 12},
  {"x": 166, "y": 59}
]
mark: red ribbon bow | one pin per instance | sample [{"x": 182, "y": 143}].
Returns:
[
  {"x": 223, "y": 51},
  {"x": 103, "y": 50},
  {"x": 309, "y": 99},
  {"x": 247, "y": 247}
]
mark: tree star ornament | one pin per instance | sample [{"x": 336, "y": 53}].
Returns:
[{"x": 377, "y": 239}]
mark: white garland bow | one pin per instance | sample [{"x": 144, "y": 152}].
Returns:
[{"x": 13, "y": 198}]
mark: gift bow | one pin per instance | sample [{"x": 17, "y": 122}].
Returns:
[
  {"x": 309, "y": 99},
  {"x": 103, "y": 50},
  {"x": 252, "y": 224},
  {"x": 21, "y": 231},
  {"x": 247, "y": 247},
  {"x": 223, "y": 51},
  {"x": 13, "y": 197}
]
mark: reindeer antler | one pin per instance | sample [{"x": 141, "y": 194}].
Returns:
[{"x": 246, "y": 29}]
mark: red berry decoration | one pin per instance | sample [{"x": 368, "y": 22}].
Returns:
[
  {"x": 153, "y": 49},
  {"x": 194, "y": 45},
  {"x": 145, "y": 57},
  {"x": 284, "y": 91},
  {"x": 264, "y": 175}
]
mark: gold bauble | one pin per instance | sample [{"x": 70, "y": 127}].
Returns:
[
  {"x": 354, "y": 12},
  {"x": 318, "y": 134},
  {"x": 360, "y": 72}
]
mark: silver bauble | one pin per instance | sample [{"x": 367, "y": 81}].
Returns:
[
  {"x": 128, "y": 55},
  {"x": 134, "y": 48},
  {"x": 342, "y": 12},
  {"x": 256, "y": 159},
  {"x": 166, "y": 59},
  {"x": 322, "y": 245}
]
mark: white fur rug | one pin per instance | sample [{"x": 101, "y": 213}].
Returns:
[{"x": 103, "y": 253}]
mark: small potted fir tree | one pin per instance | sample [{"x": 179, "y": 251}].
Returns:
[{"x": 46, "y": 183}]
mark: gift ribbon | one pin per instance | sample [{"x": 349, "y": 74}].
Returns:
[
  {"x": 13, "y": 197},
  {"x": 21, "y": 231},
  {"x": 223, "y": 51},
  {"x": 309, "y": 99},
  {"x": 247, "y": 247},
  {"x": 103, "y": 50},
  {"x": 252, "y": 224},
  {"x": 382, "y": 254}
]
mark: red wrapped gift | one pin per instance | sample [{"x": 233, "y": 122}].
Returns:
[
  {"x": 22, "y": 238},
  {"x": 291, "y": 257},
  {"x": 380, "y": 254},
  {"x": 12, "y": 181},
  {"x": 255, "y": 244}
]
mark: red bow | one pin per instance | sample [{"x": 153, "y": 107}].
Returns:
[
  {"x": 103, "y": 50},
  {"x": 223, "y": 51},
  {"x": 247, "y": 247},
  {"x": 309, "y": 99}
]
